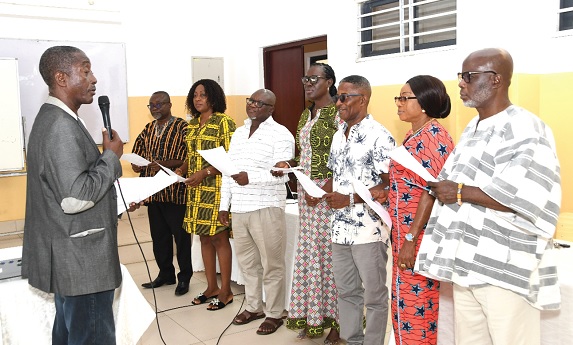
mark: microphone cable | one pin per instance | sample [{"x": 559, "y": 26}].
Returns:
[
  {"x": 144, "y": 260},
  {"x": 153, "y": 289}
]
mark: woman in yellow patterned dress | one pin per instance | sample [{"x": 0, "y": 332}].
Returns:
[{"x": 209, "y": 128}]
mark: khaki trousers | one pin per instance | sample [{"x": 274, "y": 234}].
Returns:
[
  {"x": 260, "y": 242},
  {"x": 494, "y": 316}
]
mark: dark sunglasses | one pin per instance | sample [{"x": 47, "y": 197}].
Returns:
[{"x": 343, "y": 96}]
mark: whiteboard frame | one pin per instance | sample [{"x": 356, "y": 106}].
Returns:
[{"x": 11, "y": 128}]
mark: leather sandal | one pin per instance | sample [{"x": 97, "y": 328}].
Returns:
[
  {"x": 246, "y": 316},
  {"x": 271, "y": 326}
]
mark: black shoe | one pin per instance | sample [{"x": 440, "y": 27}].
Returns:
[
  {"x": 181, "y": 289},
  {"x": 157, "y": 283}
]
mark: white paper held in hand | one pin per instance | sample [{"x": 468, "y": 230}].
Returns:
[
  {"x": 136, "y": 189},
  {"x": 364, "y": 193},
  {"x": 309, "y": 187},
  {"x": 286, "y": 170},
  {"x": 219, "y": 158},
  {"x": 135, "y": 159},
  {"x": 402, "y": 156},
  {"x": 172, "y": 173}
]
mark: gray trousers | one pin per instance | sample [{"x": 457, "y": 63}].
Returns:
[
  {"x": 360, "y": 276},
  {"x": 260, "y": 244}
]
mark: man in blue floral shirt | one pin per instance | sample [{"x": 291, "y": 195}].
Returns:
[{"x": 359, "y": 151}]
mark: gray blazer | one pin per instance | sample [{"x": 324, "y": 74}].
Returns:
[{"x": 70, "y": 230}]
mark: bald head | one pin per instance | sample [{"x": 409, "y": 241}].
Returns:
[
  {"x": 260, "y": 105},
  {"x": 266, "y": 96},
  {"x": 485, "y": 85},
  {"x": 494, "y": 59}
]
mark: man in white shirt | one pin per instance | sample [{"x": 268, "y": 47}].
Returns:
[
  {"x": 257, "y": 200},
  {"x": 359, "y": 238}
]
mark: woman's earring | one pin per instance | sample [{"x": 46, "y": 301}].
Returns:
[{"x": 423, "y": 111}]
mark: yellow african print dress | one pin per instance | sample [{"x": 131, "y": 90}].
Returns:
[{"x": 203, "y": 201}]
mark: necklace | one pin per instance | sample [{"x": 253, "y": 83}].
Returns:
[
  {"x": 417, "y": 131},
  {"x": 159, "y": 129}
]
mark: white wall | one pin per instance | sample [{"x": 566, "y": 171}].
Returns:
[{"x": 162, "y": 36}]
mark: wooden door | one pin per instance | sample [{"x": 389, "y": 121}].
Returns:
[
  {"x": 283, "y": 67},
  {"x": 283, "y": 70}
]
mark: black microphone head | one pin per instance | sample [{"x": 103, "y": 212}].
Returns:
[{"x": 103, "y": 100}]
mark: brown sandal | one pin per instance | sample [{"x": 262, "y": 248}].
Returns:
[
  {"x": 246, "y": 316},
  {"x": 273, "y": 323}
]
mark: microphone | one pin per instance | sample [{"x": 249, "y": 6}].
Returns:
[{"x": 103, "y": 102}]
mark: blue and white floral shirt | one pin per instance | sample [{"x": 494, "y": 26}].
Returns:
[{"x": 364, "y": 156}]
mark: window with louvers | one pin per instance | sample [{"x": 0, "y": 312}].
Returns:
[{"x": 399, "y": 26}]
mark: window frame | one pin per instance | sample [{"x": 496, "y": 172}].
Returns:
[
  {"x": 561, "y": 10},
  {"x": 365, "y": 28}
]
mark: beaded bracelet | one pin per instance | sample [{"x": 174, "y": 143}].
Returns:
[{"x": 459, "y": 195}]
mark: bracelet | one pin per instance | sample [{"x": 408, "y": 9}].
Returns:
[
  {"x": 459, "y": 195},
  {"x": 351, "y": 195},
  {"x": 288, "y": 164}
]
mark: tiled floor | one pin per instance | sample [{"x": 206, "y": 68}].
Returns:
[{"x": 178, "y": 321}]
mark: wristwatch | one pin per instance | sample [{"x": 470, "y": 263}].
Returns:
[{"x": 409, "y": 237}]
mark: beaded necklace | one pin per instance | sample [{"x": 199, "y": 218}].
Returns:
[{"x": 159, "y": 129}]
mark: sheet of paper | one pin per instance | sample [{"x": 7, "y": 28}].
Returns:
[
  {"x": 136, "y": 159},
  {"x": 219, "y": 158},
  {"x": 309, "y": 186},
  {"x": 364, "y": 193},
  {"x": 402, "y": 156},
  {"x": 286, "y": 170},
  {"x": 136, "y": 189},
  {"x": 172, "y": 173}
]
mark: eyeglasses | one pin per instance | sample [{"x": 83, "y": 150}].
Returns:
[
  {"x": 313, "y": 79},
  {"x": 200, "y": 96},
  {"x": 156, "y": 105},
  {"x": 343, "y": 96},
  {"x": 467, "y": 76},
  {"x": 257, "y": 104},
  {"x": 403, "y": 99}
]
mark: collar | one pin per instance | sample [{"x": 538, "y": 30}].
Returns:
[
  {"x": 366, "y": 118},
  {"x": 269, "y": 121},
  {"x": 58, "y": 103}
]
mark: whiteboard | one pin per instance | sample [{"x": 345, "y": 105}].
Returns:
[
  {"x": 108, "y": 66},
  {"x": 11, "y": 134}
]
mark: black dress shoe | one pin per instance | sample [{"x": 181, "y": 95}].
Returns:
[
  {"x": 181, "y": 289},
  {"x": 157, "y": 283}
]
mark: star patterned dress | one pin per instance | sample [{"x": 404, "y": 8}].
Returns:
[{"x": 414, "y": 297}]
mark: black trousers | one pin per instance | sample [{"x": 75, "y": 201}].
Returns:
[{"x": 166, "y": 225}]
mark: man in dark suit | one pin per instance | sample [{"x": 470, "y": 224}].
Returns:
[{"x": 70, "y": 232}]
